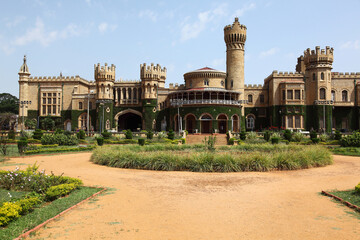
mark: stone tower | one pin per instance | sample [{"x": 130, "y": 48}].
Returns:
[
  {"x": 318, "y": 65},
  {"x": 104, "y": 77},
  {"x": 235, "y": 37},
  {"x": 23, "y": 88}
]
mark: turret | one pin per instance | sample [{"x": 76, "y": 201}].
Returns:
[
  {"x": 104, "y": 77},
  {"x": 235, "y": 37},
  {"x": 24, "y": 75},
  {"x": 152, "y": 77},
  {"x": 318, "y": 65}
]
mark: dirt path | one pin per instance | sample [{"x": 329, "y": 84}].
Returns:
[{"x": 184, "y": 205}]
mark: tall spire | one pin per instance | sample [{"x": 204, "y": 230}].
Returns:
[{"x": 24, "y": 68}]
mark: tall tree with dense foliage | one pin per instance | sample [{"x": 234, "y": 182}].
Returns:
[{"x": 9, "y": 103}]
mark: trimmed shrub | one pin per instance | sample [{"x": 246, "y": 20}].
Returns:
[
  {"x": 38, "y": 133},
  {"x": 267, "y": 135},
  {"x": 352, "y": 140},
  {"x": 231, "y": 141},
  {"x": 338, "y": 135},
  {"x": 357, "y": 188},
  {"x": 80, "y": 134},
  {"x": 60, "y": 139},
  {"x": 315, "y": 140},
  {"x": 100, "y": 141},
  {"x": 243, "y": 135},
  {"x": 251, "y": 135},
  {"x": 183, "y": 140},
  {"x": 323, "y": 137},
  {"x": 61, "y": 190},
  {"x": 27, "y": 204},
  {"x": 313, "y": 134},
  {"x": 26, "y": 135},
  {"x": 149, "y": 135},
  {"x": 8, "y": 212},
  {"x": 11, "y": 135},
  {"x": 67, "y": 133},
  {"x": 298, "y": 137},
  {"x": 275, "y": 140},
  {"x": 287, "y": 135},
  {"x": 22, "y": 145},
  {"x": 128, "y": 134},
  {"x": 171, "y": 134},
  {"x": 141, "y": 141},
  {"x": 58, "y": 131}
]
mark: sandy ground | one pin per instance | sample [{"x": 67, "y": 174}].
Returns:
[{"x": 185, "y": 205}]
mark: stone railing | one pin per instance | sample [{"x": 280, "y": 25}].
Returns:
[{"x": 206, "y": 101}]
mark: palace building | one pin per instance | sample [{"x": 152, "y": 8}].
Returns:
[{"x": 313, "y": 97}]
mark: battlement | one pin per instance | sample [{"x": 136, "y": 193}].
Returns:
[
  {"x": 104, "y": 72},
  {"x": 319, "y": 55},
  {"x": 346, "y": 75},
  {"x": 286, "y": 74},
  {"x": 235, "y": 33},
  {"x": 127, "y": 81},
  {"x": 176, "y": 87},
  {"x": 253, "y": 86},
  {"x": 152, "y": 72}
]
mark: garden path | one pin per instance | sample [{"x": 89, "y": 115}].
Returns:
[{"x": 186, "y": 205}]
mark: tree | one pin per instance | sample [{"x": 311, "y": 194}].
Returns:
[
  {"x": 47, "y": 123},
  {"x": 9, "y": 103}
]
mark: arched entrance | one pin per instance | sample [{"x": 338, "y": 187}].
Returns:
[
  {"x": 235, "y": 123},
  {"x": 67, "y": 125},
  {"x": 190, "y": 123},
  {"x": 250, "y": 122},
  {"x": 206, "y": 123},
  {"x": 222, "y": 123},
  {"x": 82, "y": 121},
  {"x": 130, "y": 121}
]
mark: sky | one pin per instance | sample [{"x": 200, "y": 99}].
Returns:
[{"x": 71, "y": 36}]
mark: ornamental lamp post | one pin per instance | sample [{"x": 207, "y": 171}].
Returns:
[{"x": 88, "y": 113}]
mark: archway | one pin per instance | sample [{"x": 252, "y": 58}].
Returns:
[
  {"x": 250, "y": 122},
  {"x": 130, "y": 121},
  {"x": 235, "y": 123},
  {"x": 222, "y": 123},
  {"x": 82, "y": 121},
  {"x": 190, "y": 123},
  {"x": 67, "y": 125},
  {"x": 206, "y": 123}
]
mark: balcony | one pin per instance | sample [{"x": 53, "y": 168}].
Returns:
[{"x": 206, "y": 102}]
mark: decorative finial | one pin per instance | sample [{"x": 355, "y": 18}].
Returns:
[
  {"x": 60, "y": 74},
  {"x": 24, "y": 59},
  {"x": 236, "y": 19}
]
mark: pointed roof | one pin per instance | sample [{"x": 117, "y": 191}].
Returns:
[{"x": 24, "y": 69}]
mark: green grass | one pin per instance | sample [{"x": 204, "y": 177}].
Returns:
[
  {"x": 349, "y": 195},
  {"x": 348, "y": 151},
  {"x": 247, "y": 157},
  {"x": 5, "y": 197},
  {"x": 40, "y": 215}
]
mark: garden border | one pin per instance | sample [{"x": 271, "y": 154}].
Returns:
[
  {"x": 60, "y": 214},
  {"x": 346, "y": 203}
]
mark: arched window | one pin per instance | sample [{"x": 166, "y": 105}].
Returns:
[
  {"x": 344, "y": 95},
  {"x": 250, "y": 122},
  {"x": 250, "y": 98},
  {"x": 314, "y": 76},
  {"x": 80, "y": 105},
  {"x": 322, "y": 93},
  {"x": 222, "y": 83},
  {"x": 262, "y": 98},
  {"x": 206, "y": 82},
  {"x": 190, "y": 83},
  {"x": 232, "y": 83},
  {"x": 322, "y": 76},
  {"x": 333, "y": 95}
]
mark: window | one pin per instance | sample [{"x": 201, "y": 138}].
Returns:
[
  {"x": 250, "y": 98},
  {"x": 54, "y": 109},
  {"x": 250, "y": 122},
  {"x": 190, "y": 83},
  {"x": 322, "y": 93},
  {"x": 314, "y": 77},
  {"x": 262, "y": 98},
  {"x": 297, "y": 94},
  {"x": 290, "y": 121},
  {"x": 90, "y": 105},
  {"x": 80, "y": 105},
  {"x": 322, "y": 76},
  {"x": 48, "y": 110},
  {"x": 297, "y": 121},
  {"x": 44, "y": 110},
  {"x": 232, "y": 83},
  {"x": 344, "y": 95},
  {"x": 283, "y": 95},
  {"x": 297, "y": 109},
  {"x": 333, "y": 95},
  {"x": 54, "y": 100},
  {"x": 289, "y": 94},
  {"x": 262, "y": 112},
  {"x": 206, "y": 82},
  {"x": 222, "y": 83},
  {"x": 50, "y": 103},
  {"x": 49, "y": 100},
  {"x": 44, "y": 100}
]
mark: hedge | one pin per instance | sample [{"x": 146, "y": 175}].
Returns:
[
  {"x": 60, "y": 149},
  {"x": 61, "y": 190},
  {"x": 12, "y": 210}
]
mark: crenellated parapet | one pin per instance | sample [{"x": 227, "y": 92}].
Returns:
[
  {"x": 253, "y": 86},
  {"x": 76, "y": 78},
  {"x": 235, "y": 35},
  {"x": 345, "y": 75},
  {"x": 318, "y": 57},
  {"x": 152, "y": 72},
  {"x": 287, "y": 74},
  {"x": 104, "y": 73}
]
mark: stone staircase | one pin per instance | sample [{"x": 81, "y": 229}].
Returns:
[{"x": 199, "y": 138}]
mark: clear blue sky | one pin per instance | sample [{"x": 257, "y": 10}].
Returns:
[{"x": 71, "y": 36}]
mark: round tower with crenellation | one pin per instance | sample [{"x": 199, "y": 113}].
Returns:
[{"x": 235, "y": 37}]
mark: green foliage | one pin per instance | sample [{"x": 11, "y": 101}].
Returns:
[
  {"x": 58, "y": 131},
  {"x": 313, "y": 134},
  {"x": 30, "y": 123},
  {"x": 275, "y": 140},
  {"x": 267, "y": 135},
  {"x": 22, "y": 145},
  {"x": 251, "y": 135},
  {"x": 9, "y": 103},
  {"x": 183, "y": 140},
  {"x": 357, "y": 188},
  {"x": 324, "y": 137},
  {"x": 242, "y": 135},
  {"x": 149, "y": 135},
  {"x": 100, "y": 141},
  {"x": 210, "y": 143},
  {"x": 106, "y": 134},
  {"x": 38, "y": 133},
  {"x": 287, "y": 134},
  {"x": 298, "y": 137},
  {"x": 128, "y": 134},
  {"x": 338, "y": 135},
  {"x": 59, "y": 149},
  {"x": 231, "y": 141},
  {"x": 3, "y": 145},
  {"x": 141, "y": 141},
  {"x": 352, "y": 140},
  {"x": 26, "y": 135},
  {"x": 47, "y": 123},
  {"x": 61, "y": 190},
  {"x": 171, "y": 134},
  {"x": 27, "y": 204},
  {"x": 67, "y": 133},
  {"x": 8, "y": 212},
  {"x": 80, "y": 134},
  {"x": 315, "y": 140},
  {"x": 11, "y": 134},
  {"x": 60, "y": 139}
]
